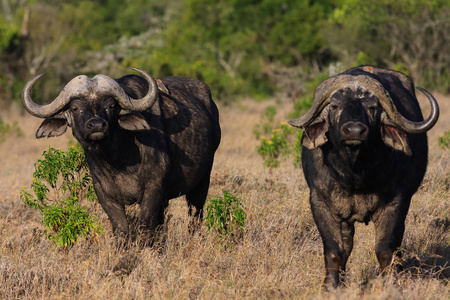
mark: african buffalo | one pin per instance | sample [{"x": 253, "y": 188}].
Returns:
[
  {"x": 364, "y": 154},
  {"x": 145, "y": 141}
]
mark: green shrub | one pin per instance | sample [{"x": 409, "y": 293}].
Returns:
[
  {"x": 275, "y": 146},
  {"x": 225, "y": 215},
  {"x": 284, "y": 140},
  {"x": 278, "y": 146},
  {"x": 444, "y": 140},
  {"x": 60, "y": 181},
  {"x": 266, "y": 124}
]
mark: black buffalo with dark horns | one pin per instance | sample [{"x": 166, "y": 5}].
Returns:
[
  {"x": 145, "y": 141},
  {"x": 364, "y": 154}
]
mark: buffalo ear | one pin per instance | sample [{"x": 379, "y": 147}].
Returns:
[
  {"x": 395, "y": 138},
  {"x": 133, "y": 121},
  {"x": 314, "y": 135},
  {"x": 52, "y": 127}
]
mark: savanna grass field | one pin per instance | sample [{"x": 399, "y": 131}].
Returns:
[{"x": 279, "y": 256}]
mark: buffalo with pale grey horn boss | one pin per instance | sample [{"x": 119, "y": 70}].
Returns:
[
  {"x": 364, "y": 154},
  {"x": 145, "y": 141}
]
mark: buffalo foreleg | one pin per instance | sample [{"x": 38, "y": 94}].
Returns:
[
  {"x": 116, "y": 215},
  {"x": 152, "y": 210},
  {"x": 347, "y": 231},
  {"x": 337, "y": 238},
  {"x": 389, "y": 229}
]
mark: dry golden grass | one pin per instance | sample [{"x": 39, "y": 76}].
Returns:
[{"x": 279, "y": 256}]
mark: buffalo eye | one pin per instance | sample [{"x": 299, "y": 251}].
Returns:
[
  {"x": 76, "y": 105},
  {"x": 372, "y": 109},
  {"x": 111, "y": 104},
  {"x": 334, "y": 106}
]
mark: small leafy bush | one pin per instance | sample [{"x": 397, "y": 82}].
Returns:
[
  {"x": 444, "y": 140},
  {"x": 278, "y": 146},
  {"x": 60, "y": 181},
  {"x": 225, "y": 215},
  {"x": 271, "y": 148},
  {"x": 266, "y": 124},
  {"x": 280, "y": 141}
]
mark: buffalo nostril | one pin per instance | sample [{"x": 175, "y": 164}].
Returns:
[
  {"x": 96, "y": 124},
  {"x": 359, "y": 128},
  {"x": 101, "y": 124},
  {"x": 353, "y": 130}
]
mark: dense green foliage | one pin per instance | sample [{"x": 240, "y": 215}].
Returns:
[
  {"x": 241, "y": 47},
  {"x": 60, "y": 182}
]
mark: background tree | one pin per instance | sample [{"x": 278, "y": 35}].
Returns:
[
  {"x": 240, "y": 48},
  {"x": 411, "y": 36}
]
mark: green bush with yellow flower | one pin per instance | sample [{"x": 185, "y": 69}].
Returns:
[{"x": 282, "y": 142}]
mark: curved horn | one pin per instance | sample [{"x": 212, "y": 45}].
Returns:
[
  {"x": 128, "y": 103},
  {"x": 329, "y": 86},
  {"x": 418, "y": 127},
  {"x": 390, "y": 109},
  {"x": 45, "y": 111},
  {"x": 321, "y": 99}
]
